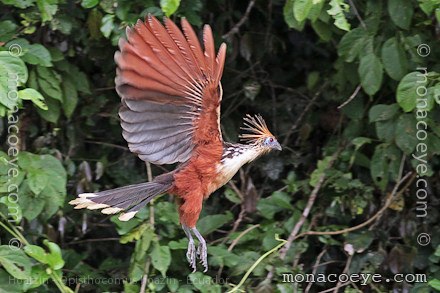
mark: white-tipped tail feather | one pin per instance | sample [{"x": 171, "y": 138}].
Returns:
[
  {"x": 126, "y": 216},
  {"x": 109, "y": 211},
  {"x": 126, "y": 200}
]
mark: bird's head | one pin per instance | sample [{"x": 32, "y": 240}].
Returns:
[{"x": 258, "y": 134}]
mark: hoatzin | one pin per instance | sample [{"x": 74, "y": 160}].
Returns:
[{"x": 170, "y": 93}]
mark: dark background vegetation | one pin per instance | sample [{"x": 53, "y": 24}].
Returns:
[{"x": 337, "y": 83}]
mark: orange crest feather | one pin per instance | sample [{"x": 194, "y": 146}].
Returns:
[{"x": 257, "y": 128}]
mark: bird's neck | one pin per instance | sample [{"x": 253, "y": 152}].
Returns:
[
  {"x": 236, "y": 155},
  {"x": 238, "y": 152}
]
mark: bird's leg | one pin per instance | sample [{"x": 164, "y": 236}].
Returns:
[
  {"x": 191, "y": 252},
  {"x": 202, "y": 250}
]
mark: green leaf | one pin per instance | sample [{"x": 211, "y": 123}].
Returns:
[
  {"x": 54, "y": 258},
  {"x": 321, "y": 168},
  {"x": 379, "y": 167},
  {"x": 107, "y": 25},
  {"x": 63, "y": 24},
  {"x": 52, "y": 114},
  {"x": 34, "y": 96},
  {"x": 94, "y": 22},
  {"x": 169, "y": 6},
  {"x": 70, "y": 97},
  {"x": 406, "y": 138},
  {"x": 435, "y": 283},
  {"x": 406, "y": 94},
  {"x": 37, "y": 55},
  {"x": 351, "y": 44},
  {"x": 355, "y": 109},
  {"x": 10, "y": 284},
  {"x": 381, "y": 112},
  {"x": 15, "y": 262},
  {"x": 337, "y": 11},
  {"x": 428, "y": 6},
  {"x": 77, "y": 77},
  {"x": 7, "y": 30},
  {"x": 37, "y": 181},
  {"x": 54, "y": 192},
  {"x": 290, "y": 19},
  {"x": 19, "y": 3},
  {"x": 211, "y": 223},
  {"x": 385, "y": 130},
  {"x": 385, "y": 163},
  {"x": 232, "y": 196},
  {"x": 15, "y": 212},
  {"x": 370, "y": 72},
  {"x": 277, "y": 202},
  {"x": 33, "y": 205},
  {"x": 199, "y": 281},
  {"x": 312, "y": 80},
  {"x": 14, "y": 73},
  {"x": 161, "y": 258},
  {"x": 401, "y": 12},
  {"x": 135, "y": 234},
  {"x": 49, "y": 82},
  {"x": 316, "y": 10},
  {"x": 89, "y": 3},
  {"x": 172, "y": 284},
  {"x": 47, "y": 8},
  {"x": 39, "y": 277},
  {"x": 323, "y": 30},
  {"x": 36, "y": 252},
  {"x": 360, "y": 241},
  {"x": 358, "y": 142},
  {"x": 394, "y": 59},
  {"x": 301, "y": 9}
]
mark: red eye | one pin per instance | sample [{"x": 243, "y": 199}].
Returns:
[{"x": 271, "y": 139}]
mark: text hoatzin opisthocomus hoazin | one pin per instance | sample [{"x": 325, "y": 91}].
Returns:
[{"x": 170, "y": 94}]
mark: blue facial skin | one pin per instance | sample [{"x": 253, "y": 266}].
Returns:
[{"x": 272, "y": 143}]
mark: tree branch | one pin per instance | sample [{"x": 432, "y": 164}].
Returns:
[
  {"x": 303, "y": 114},
  {"x": 237, "y": 26},
  {"x": 308, "y": 208},
  {"x": 353, "y": 95}
]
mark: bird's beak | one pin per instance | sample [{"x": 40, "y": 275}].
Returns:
[{"x": 277, "y": 146}]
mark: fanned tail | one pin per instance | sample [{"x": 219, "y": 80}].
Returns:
[{"x": 128, "y": 199}]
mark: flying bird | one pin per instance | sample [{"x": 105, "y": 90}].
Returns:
[{"x": 170, "y": 113}]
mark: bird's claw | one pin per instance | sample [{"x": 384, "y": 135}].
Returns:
[
  {"x": 191, "y": 255},
  {"x": 202, "y": 253}
]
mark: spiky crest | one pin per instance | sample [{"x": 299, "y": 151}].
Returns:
[{"x": 256, "y": 128}]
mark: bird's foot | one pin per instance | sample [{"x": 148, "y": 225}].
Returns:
[
  {"x": 202, "y": 252},
  {"x": 191, "y": 255}
]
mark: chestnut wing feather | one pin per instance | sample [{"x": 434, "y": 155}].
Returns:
[{"x": 165, "y": 82}]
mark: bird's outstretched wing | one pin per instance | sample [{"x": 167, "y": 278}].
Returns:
[{"x": 166, "y": 83}]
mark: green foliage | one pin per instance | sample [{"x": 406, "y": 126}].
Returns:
[
  {"x": 15, "y": 262},
  {"x": 337, "y": 11},
  {"x": 378, "y": 60},
  {"x": 169, "y": 7}
]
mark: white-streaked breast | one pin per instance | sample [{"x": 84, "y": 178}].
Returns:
[{"x": 231, "y": 164}]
